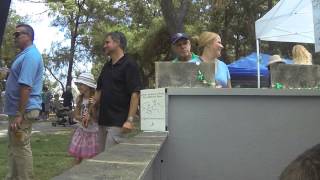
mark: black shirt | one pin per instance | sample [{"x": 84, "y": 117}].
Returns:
[{"x": 117, "y": 82}]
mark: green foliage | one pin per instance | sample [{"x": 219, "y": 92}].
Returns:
[
  {"x": 144, "y": 45},
  {"x": 146, "y": 25},
  {"x": 50, "y": 155},
  {"x": 143, "y": 12},
  {"x": 73, "y": 18},
  {"x": 148, "y": 36},
  {"x": 155, "y": 47},
  {"x": 84, "y": 23},
  {"x": 8, "y": 50}
]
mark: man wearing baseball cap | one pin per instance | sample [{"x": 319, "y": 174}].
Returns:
[{"x": 181, "y": 46}]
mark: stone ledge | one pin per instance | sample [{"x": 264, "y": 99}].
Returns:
[{"x": 126, "y": 161}]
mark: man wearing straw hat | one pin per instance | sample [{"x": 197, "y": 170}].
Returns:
[
  {"x": 117, "y": 91},
  {"x": 274, "y": 59}
]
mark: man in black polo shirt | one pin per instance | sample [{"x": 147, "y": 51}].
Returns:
[{"x": 117, "y": 91}]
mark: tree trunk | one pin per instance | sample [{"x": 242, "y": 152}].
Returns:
[
  {"x": 237, "y": 47},
  {"x": 224, "y": 35},
  {"x": 4, "y": 7},
  {"x": 74, "y": 35},
  {"x": 174, "y": 17},
  {"x": 55, "y": 77}
]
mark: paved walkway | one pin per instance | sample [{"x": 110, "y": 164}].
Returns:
[{"x": 37, "y": 127}]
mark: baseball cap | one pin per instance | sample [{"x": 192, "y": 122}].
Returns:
[{"x": 178, "y": 36}]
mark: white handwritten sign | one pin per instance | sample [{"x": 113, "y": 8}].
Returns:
[
  {"x": 152, "y": 109},
  {"x": 316, "y": 22}
]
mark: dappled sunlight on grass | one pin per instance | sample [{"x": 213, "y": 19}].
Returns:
[{"x": 49, "y": 152}]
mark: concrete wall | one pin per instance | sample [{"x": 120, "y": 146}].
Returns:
[
  {"x": 157, "y": 168},
  {"x": 131, "y": 159},
  {"x": 215, "y": 134},
  {"x": 236, "y": 134}
]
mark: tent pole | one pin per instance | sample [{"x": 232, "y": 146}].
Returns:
[{"x": 258, "y": 64}]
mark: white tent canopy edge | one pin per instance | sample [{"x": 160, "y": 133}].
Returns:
[{"x": 287, "y": 21}]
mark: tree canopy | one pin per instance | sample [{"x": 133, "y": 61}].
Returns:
[{"x": 148, "y": 25}]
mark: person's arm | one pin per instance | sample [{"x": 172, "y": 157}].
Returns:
[
  {"x": 96, "y": 98},
  {"x": 134, "y": 85},
  {"x": 134, "y": 102},
  {"x": 31, "y": 68},
  {"x": 72, "y": 101},
  {"x": 92, "y": 114},
  {"x": 76, "y": 114},
  {"x": 229, "y": 83},
  {"x": 228, "y": 78},
  {"x": 97, "y": 93},
  {"x": 24, "y": 97}
]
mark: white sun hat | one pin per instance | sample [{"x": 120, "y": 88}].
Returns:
[
  {"x": 275, "y": 59},
  {"x": 86, "y": 79}
]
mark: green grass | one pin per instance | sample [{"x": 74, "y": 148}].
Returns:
[{"x": 50, "y": 156}]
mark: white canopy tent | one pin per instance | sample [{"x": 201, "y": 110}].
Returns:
[{"x": 287, "y": 21}]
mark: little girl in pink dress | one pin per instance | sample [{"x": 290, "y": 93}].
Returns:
[{"x": 84, "y": 142}]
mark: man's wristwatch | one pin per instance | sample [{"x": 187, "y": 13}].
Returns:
[{"x": 130, "y": 119}]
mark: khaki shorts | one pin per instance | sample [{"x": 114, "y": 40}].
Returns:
[{"x": 20, "y": 161}]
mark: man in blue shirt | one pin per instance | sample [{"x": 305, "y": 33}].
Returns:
[{"x": 23, "y": 102}]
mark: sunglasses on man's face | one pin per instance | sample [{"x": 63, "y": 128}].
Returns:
[{"x": 17, "y": 34}]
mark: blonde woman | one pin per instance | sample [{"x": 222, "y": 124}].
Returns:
[
  {"x": 301, "y": 55},
  {"x": 210, "y": 48}
]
